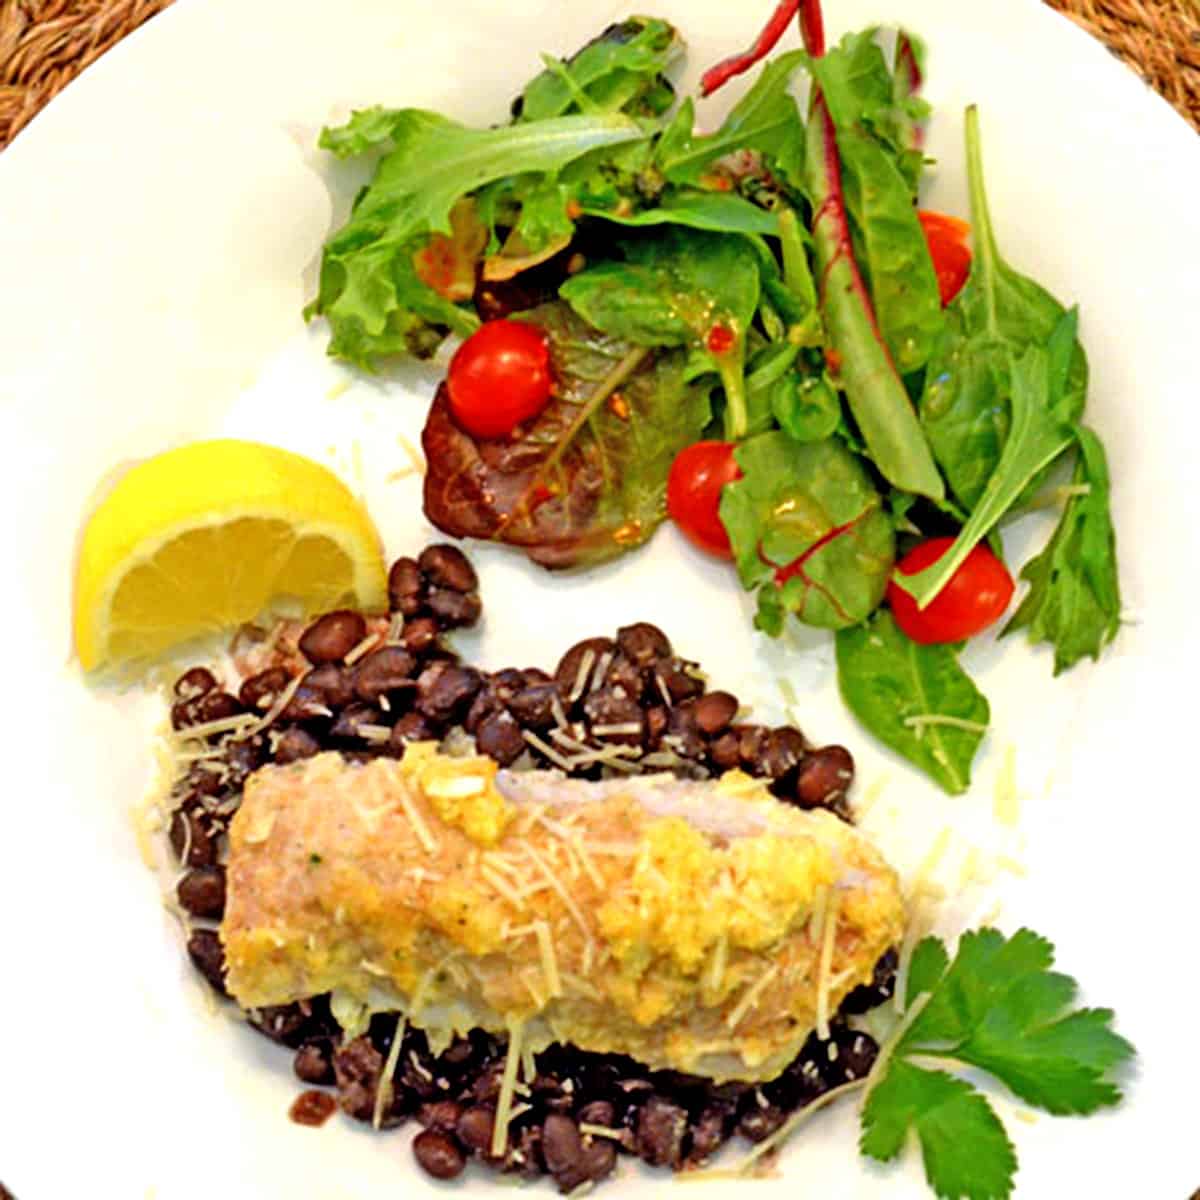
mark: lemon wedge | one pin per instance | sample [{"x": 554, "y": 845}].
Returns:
[{"x": 212, "y": 535}]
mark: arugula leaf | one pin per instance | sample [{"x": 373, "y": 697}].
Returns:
[
  {"x": 806, "y": 523},
  {"x": 965, "y": 1149},
  {"x": 999, "y": 1007},
  {"x": 678, "y": 289},
  {"x": 916, "y": 699},
  {"x": 1038, "y": 434},
  {"x": 765, "y": 119},
  {"x": 369, "y": 290},
  {"x": 966, "y": 405},
  {"x": 1074, "y": 601},
  {"x": 619, "y": 70},
  {"x": 586, "y": 480}
]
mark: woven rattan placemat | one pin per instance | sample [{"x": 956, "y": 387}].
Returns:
[{"x": 44, "y": 44}]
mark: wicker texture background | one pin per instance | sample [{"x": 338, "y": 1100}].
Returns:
[{"x": 44, "y": 44}]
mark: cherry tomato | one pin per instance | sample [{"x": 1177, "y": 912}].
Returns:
[
  {"x": 977, "y": 594},
  {"x": 694, "y": 485},
  {"x": 946, "y": 238},
  {"x": 499, "y": 377}
]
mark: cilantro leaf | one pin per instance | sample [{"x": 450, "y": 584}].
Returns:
[
  {"x": 966, "y": 1152},
  {"x": 998, "y": 1006}
]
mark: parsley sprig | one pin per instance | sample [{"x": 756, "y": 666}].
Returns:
[{"x": 999, "y": 1007}]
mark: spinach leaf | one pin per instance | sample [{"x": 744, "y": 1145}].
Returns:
[
  {"x": 876, "y": 393},
  {"x": 682, "y": 287},
  {"x": 620, "y": 70},
  {"x": 714, "y": 212},
  {"x": 916, "y": 699},
  {"x": 806, "y": 523},
  {"x": 965, "y": 408},
  {"x": 892, "y": 250},
  {"x": 369, "y": 290},
  {"x": 1039, "y": 433},
  {"x": 806, "y": 406},
  {"x": 1074, "y": 601},
  {"x": 586, "y": 480},
  {"x": 765, "y": 120}
]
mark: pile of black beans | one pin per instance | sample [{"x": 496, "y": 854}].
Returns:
[{"x": 631, "y": 690}]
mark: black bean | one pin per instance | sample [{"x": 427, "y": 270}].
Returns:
[
  {"x": 567, "y": 673},
  {"x": 314, "y": 1063},
  {"x": 657, "y": 719},
  {"x": 331, "y": 637},
  {"x": 448, "y": 567},
  {"x": 499, "y": 737},
  {"x": 533, "y": 705},
  {"x": 781, "y": 753},
  {"x": 445, "y": 690},
  {"x": 211, "y": 706},
  {"x": 678, "y": 682},
  {"x": 856, "y": 1054},
  {"x": 412, "y": 727},
  {"x": 759, "y": 1121},
  {"x": 682, "y": 734},
  {"x": 420, "y": 634},
  {"x": 661, "y": 1126},
  {"x": 306, "y": 704},
  {"x": 438, "y": 1154},
  {"x": 485, "y": 704},
  {"x": 714, "y": 711},
  {"x": 208, "y": 957},
  {"x": 357, "y": 1068},
  {"x": 752, "y": 741},
  {"x": 334, "y": 683},
  {"x": 643, "y": 643},
  {"x": 191, "y": 840},
  {"x": 597, "y": 1112},
  {"x": 260, "y": 691},
  {"x": 724, "y": 751},
  {"x": 202, "y": 891},
  {"x": 453, "y": 610},
  {"x": 708, "y": 1133},
  {"x": 352, "y": 719},
  {"x": 615, "y": 717},
  {"x": 199, "y": 782},
  {"x": 383, "y": 672},
  {"x": 507, "y": 683},
  {"x": 243, "y": 756},
  {"x": 441, "y": 1115},
  {"x": 295, "y": 744},
  {"x": 824, "y": 778},
  {"x": 405, "y": 587},
  {"x": 561, "y": 1143},
  {"x": 475, "y": 1127},
  {"x": 282, "y": 1023},
  {"x": 196, "y": 681},
  {"x": 624, "y": 673}
]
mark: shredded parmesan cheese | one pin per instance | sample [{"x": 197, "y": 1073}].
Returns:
[
  {"x": 750, "y": 997},
  {"x": 826, "y": 964},
  {"x": 383, "y": 1093},
  {"x": 508, "y": 1083}
]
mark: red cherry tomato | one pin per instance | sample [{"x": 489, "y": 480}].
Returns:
[
  {"x": 946, "y": 238},
  {"x": 977, "y": 594},
  {"x": 499, "y": 377},
  {"x": 694, "y": 485}
]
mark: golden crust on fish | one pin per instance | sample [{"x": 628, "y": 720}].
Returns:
[{"x": 701, "y": 926}]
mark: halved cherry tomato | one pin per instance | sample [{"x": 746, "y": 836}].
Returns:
[
  {"x": 976, "y": 596},
  {"x": 946, "y": 238},
  {"x": 499, "y": 377},
  {"x": 694, "y": 485}
]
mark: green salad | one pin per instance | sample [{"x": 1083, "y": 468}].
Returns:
[{"x": 754, "y": 330}]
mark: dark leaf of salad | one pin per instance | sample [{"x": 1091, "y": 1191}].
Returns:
[
  {"x": 997, "y": 1007},
  {"x": 620, "y": 70},
  {"x": 1038, "y": 433},
  {"x": 808, "y": 530},
  {"x": 1074, "y": 600},
  {"x": 682, "y": 287},
  {"x": 369, "y": 289},
  {"x": 587, "y": 479},
  {"x": 765, "y": 120},
  {"x": 966, "y": 405},
  {"x": 916, "y": 699}
]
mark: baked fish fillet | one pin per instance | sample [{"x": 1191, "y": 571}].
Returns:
[{"x": 699, "y": 926}]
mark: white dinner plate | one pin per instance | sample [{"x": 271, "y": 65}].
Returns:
[{"x": 160, "y": 224}]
